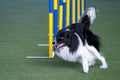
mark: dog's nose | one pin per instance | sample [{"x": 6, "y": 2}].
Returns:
[{"x": 53, "y": 42}]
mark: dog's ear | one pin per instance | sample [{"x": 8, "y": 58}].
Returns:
[{"x": 74, "y": 43}]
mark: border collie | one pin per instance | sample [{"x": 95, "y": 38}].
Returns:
[{"x": 77, "y": 43}]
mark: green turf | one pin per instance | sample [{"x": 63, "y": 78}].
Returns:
[{"x": 24, "y": 24}]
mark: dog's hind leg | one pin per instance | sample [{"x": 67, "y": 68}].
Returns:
[{"x": 98, "y": 56}]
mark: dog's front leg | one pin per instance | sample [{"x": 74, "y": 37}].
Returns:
[{"x": 85, "y": 64}]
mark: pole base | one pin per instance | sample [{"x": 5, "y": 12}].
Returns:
[{"x": 37, "y": 57}]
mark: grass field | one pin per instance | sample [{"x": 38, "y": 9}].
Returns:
[{"x": 24, "y": 24}]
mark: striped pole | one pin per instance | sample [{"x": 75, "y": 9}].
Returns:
[
  {"x": 55, "y": 18},
  {"x": 78, "y": 11},
  {"x": 64, "y": 13},
  {"x": 50, "y": 28},
  {"x": 83, "y": 8},
  {"x": 73, "y": 11},
  {"x": 68, "y": 13},
  {"x": 60, "y": 14},
  {"x": 80, "y": 8}
]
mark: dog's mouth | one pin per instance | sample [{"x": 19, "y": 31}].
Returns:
[{"x": 60, "y": 45}]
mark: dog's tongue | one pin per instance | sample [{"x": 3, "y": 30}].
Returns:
[{"x": 60, "y": 45}]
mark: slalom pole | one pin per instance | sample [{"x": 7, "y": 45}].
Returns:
[
  {"x": 83, "y": 9},
  {"x": 64, "y": 13},
  {"x": 73, "y": 11},
  {"x": 68, "y": 13},
  {"x": 55, "y": 21},
  {"x": 78, "y": 11},
  {"x": 60, "y": 14},
  {"x": 50, "y": 28}
]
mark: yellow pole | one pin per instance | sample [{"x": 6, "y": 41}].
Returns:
[
  {"x": 50, "y": 29},
  {"x": 50, "y": 35},
  {"x": 73, "y": 11},
  {"x": 60, "y": 14},
  {"x": 60, "y": 17},
  {"x": 55, "y": 4},
  {"x": 64, "y": 0},
  {"x": 82, "y": 6},
  {"x": 68, "y": 13},
  {"x": 78, "y": 14}
]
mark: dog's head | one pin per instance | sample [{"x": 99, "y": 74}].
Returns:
[{"x": 67, "y": 38}]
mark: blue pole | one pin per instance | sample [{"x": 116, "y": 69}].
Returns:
[
  {"x": 55, "y": 18},
  {"x": 50, "y": 6},
  {"x": 64, "y": 14},
  {"x": 70, "y": 12},
  {"x": 76, "y": 11},
  {"x": 80, "y": 8},
  {"x": 85, "y": 7}
]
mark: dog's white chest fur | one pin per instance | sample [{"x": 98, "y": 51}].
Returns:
[{"x": 65, "y": 54}]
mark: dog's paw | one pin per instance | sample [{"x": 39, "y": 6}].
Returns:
[
  {"x": 85, "y": 69},
  {"x": 86, "y": 72},
  {"x": 103, "y": 66}
]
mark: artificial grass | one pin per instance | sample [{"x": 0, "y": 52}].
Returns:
[{"x": 24, "y": 24}]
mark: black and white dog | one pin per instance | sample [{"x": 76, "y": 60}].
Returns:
[{"x": 77, "y": 43}]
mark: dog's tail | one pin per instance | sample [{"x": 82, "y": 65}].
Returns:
[
  {"x": 89, "y": 16},
  {"x": 88, "y": 19}
]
